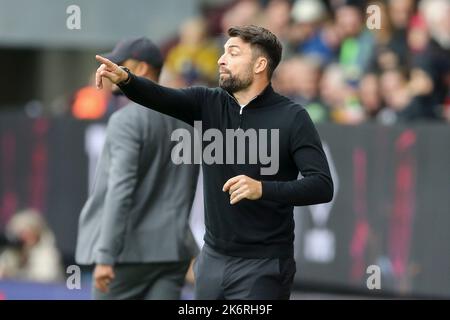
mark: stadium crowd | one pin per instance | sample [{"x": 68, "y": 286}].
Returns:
[{"x": 337, "y": 62}]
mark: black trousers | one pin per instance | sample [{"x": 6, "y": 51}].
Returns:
[{"x": 219, "y": 276}]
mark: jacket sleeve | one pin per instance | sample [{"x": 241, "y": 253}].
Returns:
[
  {"x": 316, "y": 186},
  {"x": 123, "y": 149},
  {"x": 183, "y": 104}
]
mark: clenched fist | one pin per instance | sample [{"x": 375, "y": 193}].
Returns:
[
  {"x": 103, "y": 275},
  {"x": 109, "y": 70}
]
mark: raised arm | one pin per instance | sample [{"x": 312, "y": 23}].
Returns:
[{"x": 183, "y": 104}]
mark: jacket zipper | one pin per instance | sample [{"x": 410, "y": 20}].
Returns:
[
  {"x": 240, "y": 116},
  {"x": 242, "y": 109}
]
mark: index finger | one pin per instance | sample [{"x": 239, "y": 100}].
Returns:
[
  {"x": 230, "y": 182},
  {"x": 101, "y": 59}
]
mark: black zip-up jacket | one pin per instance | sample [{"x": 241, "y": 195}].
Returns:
[{"x": 262, "y": 228}]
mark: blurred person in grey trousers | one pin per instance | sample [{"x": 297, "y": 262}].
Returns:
[{"x": 135, "y": 225}]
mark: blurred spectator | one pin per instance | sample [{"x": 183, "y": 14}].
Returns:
[
  {"x": 277, "y": 15},
  {"x": 213, "y": 11},
  {"x": 195, "y": 56},
  {"x": 391, "y": 49},
  {"x": 384, "y": 33},
  {"x": 430, "y": 69},
  {"x": 244, "y": 12},
  {"x": 436, "y": 14},
  {"x": 357, "y": 42},
  {"x": 400, "y": 12},
  {"x": 35, "y": 257},
  {"x": 309, "y": 34},
  {"x": 298, "y": 79},
  {"x": 340, "y": 97},
  {"x": 369, "y": 95},
  {"x": 394, "y": 92}
]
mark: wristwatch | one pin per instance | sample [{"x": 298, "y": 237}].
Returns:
[{"x": 124, "y": 82}]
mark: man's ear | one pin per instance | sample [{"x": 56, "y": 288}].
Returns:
[
  {"x": 142, "y": 69},
  {"x": 260, "y": 65}
]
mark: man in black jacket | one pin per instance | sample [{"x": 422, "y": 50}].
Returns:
[{"x": 248, "y": 252}]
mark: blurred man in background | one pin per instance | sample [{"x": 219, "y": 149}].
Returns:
[{"x": 134, "y": 226}]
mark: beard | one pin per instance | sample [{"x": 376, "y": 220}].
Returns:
[{"x": 233, "y": 83}]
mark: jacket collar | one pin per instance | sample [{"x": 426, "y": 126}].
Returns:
[{"x": 259, "y": 100}]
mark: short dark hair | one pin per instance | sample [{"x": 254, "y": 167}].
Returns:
[{"x": 262, "y": 39}]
